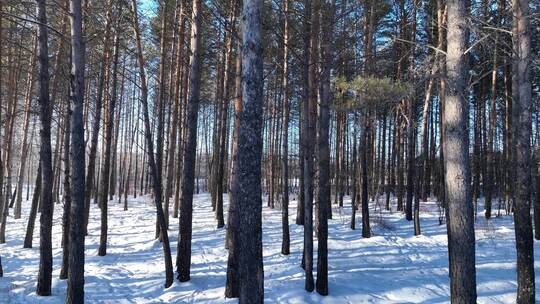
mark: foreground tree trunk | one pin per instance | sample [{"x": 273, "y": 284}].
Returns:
[
  {"x": 45, "y": 231},
  {"x": 246, "y": 191},
  {"x": 522, "y": 135},
  {"x": 460, "y": 216},
  {"x": 183, "y": 261},
  {"x": 75, "y": 288},
  {"x": 323, "y": 149},
  {"x": 232, "y": 285},
  {"x": 309, "y": 108}
]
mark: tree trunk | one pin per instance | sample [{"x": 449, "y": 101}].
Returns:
[
  {"x": 522, "y": 134},
  {"x": 25, "y": 145},
  {"x": 45, "y": 233},
  {"x": 286, "y": 239},
  {"x": 77, "y": 229},
  {"x": 33, "y": 210},
  {"x": 323, "y": 147},
  {"x": 460, "y": 216},
  {"x": 247, "y": 188},
  {"x": 67, "y": 194},
  {"x": 106, "y": 164},
  {"x": 156, "y": 179},
  {"x": 98, "y": 105},
  {"x": 310, "y": 113},
  {"x": 232, "y": 285},
  {"x": 176, "y": 108},
  {"x": 183, "y": 261}
]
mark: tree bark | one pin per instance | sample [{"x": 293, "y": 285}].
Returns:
[
  {"x": 77, "y": 229},
  {"x": 45, "y": 244},
  {"x": 183, "y": 261},
  {"x": 522, "y": 134},
  {"x": 247, "y": 188},
  {"x": 67, "y": 194},
  {"x": 232, "y": 285},
  {"x": 323, "y": 147},
  {"x": 460, "y": 218}
]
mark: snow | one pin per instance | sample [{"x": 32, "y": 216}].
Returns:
[{"x": 393, "y": 266}]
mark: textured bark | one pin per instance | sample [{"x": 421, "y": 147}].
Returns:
[
  {"x": 45, "y": 233},
  {"x": 246, "y": 191},
  {"x": 183, "y": 261},
  {"x": 1, "y": 102},
  {"x": 522, "y": 134},
  {"x": 460, "y": 218},
  {"x": 232, "y": 285},
  {"x": 310, "y": 112},
  {"x": 77, "y": 229},
  {"x": 323, "y": 149}
]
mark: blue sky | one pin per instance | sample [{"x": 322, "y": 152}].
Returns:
[{"x": 147, "y": 6}]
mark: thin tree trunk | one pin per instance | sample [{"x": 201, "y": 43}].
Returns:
[
  {"x": 106, "y": 164},
  {"x": 67, "y": 194},
  {"x": 156, "y": 179},
  {"x": 25, "y": 145},
  {"x": 286, "y": 241},
  {"x": 232, "y": 285},
  {"x": 33, "y": 210},
  {"x": 98, "y": 105}
]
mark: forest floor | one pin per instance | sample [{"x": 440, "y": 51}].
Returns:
[{"x": 393, "y": 266}]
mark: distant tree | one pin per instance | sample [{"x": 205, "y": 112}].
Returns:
[{"x": 156, "y": 179}]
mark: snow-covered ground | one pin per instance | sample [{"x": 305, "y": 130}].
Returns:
[{"x": 393, "y": 266}]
